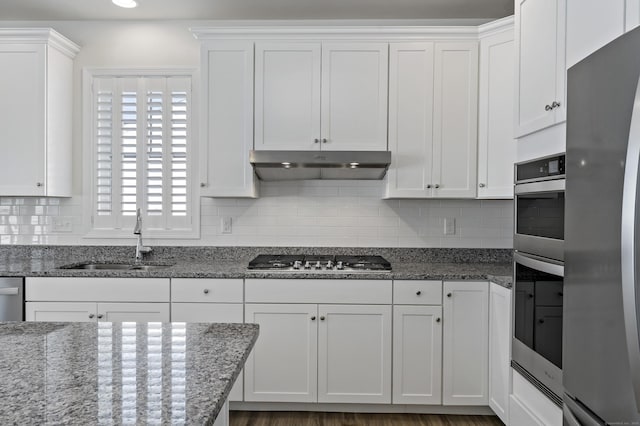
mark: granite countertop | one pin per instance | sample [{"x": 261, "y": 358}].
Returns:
[
  {"x": 115, "y": 373},
  {"x": 183, "y": 265}
]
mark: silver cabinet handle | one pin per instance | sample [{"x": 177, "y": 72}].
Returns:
[
  {"x": 206, "y": 291},
  {"x": 100, "y": 316},
  {"x": 437, "y": 185},
  {"x": 482, "y": 185},
  {"x": 428, "y": 186},
  {"x": 9, "y": 291},
  {"x": 316, "y": 140},
  {"x": 91, "y": 315},
  {"x": 324, "y": 140},
  {"x": 548, "y": 107},
  {"x": 555, "y": 105}
]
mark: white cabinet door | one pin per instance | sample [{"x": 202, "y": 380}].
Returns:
[
  {"x": 499, "y": 350},
  {"x": 591, "y": 25},
  {"x": 209, "y": 312},
  {"x": 284, "y": 360},
  {"x": 287, "y": 98},
  {"x": 520, "y": 415},
  {"x": 417, "y": 355},
  {"x": 465, "y": 343},
  {"x": 354, "y": 96},
  {"x": 60, "y": 311},
  {"x": 36, "y": 82},
  {"x": 354, "y": 358},
  {"x": 133, "y": 312},
  {"x": 227, "y": 121},
  {"x": 455, "y": 120},
  {"x": 541, "y": 74},
  {"x": 496, "y": 145},
  {"x": 632, "y": 14},
  {"x": 410, "y": 120}
]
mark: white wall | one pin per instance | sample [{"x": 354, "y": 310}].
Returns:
[{"x": 340, "y": 213}]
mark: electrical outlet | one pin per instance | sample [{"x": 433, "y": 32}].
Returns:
[
  {"x": 62, "y": 224},
  {"x": 226, "y": 224},
  {"x": 449, "y": 225}
]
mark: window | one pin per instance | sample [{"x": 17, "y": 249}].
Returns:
[{"x": 142, "y": 145}]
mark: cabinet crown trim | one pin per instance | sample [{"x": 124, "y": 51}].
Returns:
[
  {"x": 40, "y": 35},
  {"x": 342, "y": 32}
]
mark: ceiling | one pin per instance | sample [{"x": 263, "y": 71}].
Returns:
[{"x": 255, "y": 9}]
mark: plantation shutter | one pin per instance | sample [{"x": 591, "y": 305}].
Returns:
[{"x": 142, "y": 134}]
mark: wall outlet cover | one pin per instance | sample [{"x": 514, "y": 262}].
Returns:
[
  {"x": 226, "y": 224},
  {"x": 449, "y": 226}
]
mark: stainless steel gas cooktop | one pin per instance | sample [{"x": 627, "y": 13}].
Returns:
[{"x": 318, "y": 263}]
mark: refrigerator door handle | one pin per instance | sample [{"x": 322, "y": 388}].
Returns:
[
  {"x": 9, "y": 291},
  {"x": 628, "y": 247}
]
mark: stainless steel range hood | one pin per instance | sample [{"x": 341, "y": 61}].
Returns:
[{"x": 305, "y": 165}]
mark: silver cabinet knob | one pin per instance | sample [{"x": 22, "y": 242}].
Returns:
[
  {"x": 206, "y": 291},
  {"x": 428, "y": 186},
  {"x": 324, "y": 140},
  {"x": 449, "y": 294},
  {"x": 418, "y": 293},
  {"x": 437, "y": 319},
  {"x": 39, "y": 184},
  {"x": 91, "y": 315},
  {"x": 313, "y": 318},
  {"x": 316, "y": 140},
  {"x": 481, "y": 185},
  {"x": 548, "y": 107},
  {"x": 100, "y": 316},
  {"x": 437, "y": 185},
  {"x": 322, "y": 318},
  {"x": 202, "y": 184}
]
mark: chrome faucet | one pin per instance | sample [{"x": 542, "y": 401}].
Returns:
[{"x": 137, "y": 230}]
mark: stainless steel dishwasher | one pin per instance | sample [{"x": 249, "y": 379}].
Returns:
[{"x": 12, "y": 299}]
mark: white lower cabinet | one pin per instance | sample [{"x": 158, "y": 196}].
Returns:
[
  {"x": 319, "y": 352},
  {"x": 499, "y": 350},
  {"x": 97, "y": 299},
  {"x": 209, "y": 300},
  {"x": 465, "y": 343},
  {"x": 417, "y": 355}
]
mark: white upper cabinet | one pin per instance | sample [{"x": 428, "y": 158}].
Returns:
[
  {"x": 496, "y": 145},
  {"x": 410, "y": 119},
  {"x": 541, "y": 73},
  {"x": 227, "y": 125},
  {"x": 433, "y": 118},
  {"x": 36, "y": 72},
  {"x": 287, "y": 99},
  {"x": 330, "y": 96},
  {"x": 455, "y": 120}
]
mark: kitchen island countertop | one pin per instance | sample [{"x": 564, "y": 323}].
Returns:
[{"x": 115, "y": 373}]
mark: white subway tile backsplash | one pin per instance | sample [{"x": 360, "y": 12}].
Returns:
[{"x": 307, "y": 213}]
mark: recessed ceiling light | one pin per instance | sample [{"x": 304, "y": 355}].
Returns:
[{"x": 125, "y": 3}]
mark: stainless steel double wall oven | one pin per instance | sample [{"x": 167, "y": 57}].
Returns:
[{"x": 539, "y": 273}]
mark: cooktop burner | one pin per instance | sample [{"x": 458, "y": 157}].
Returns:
[{"x": 319, "y": 263}]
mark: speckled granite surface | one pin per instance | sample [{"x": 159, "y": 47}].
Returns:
[
  {"x": 119, "y": 373},
  {"x": 231, "y": 262}
]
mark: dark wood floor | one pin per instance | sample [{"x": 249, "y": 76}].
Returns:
[{"x": 276, "y": 418}]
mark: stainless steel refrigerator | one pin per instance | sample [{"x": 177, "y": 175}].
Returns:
[{"x": 601, "y": 350}]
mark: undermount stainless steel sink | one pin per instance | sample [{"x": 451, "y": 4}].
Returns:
[{"x": 113, "y": 266}]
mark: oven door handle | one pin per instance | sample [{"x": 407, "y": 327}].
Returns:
[
  {"x": 539, "y": 264},
  {"x": 557, "y": 185},
  {"x": 628, "y": 239}
]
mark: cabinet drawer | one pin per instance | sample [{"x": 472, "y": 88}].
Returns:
[
  {"x": 417, "y": 292},
  {"x": 207, "y": 312},
  {"x": 205, "y": 290},
  {"x": 318, "y": 291},
  {"x": 82, "y": 289}
]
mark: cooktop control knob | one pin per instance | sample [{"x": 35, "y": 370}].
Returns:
[
  {"x": 297, "y": 264},
  {"x": 307, "y": 265},
  {"x": 329, "y": 264},
  {"x": 318, "y": 265},
  {"x": 339, "y": 266}
]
